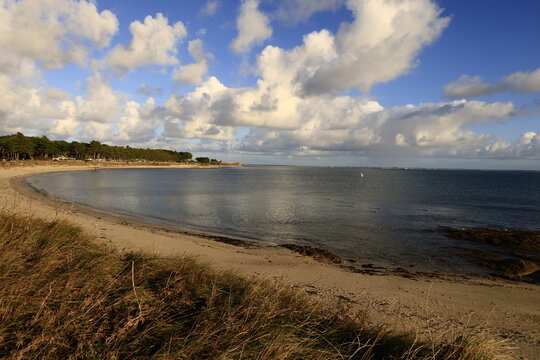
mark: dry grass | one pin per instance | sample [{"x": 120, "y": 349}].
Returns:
[{"x": 63, "y": 296}]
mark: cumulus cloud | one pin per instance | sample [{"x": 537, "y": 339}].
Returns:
[
  {"x": 101, "y": 104},
  {"x": 130, "y": 122},
  {"x": 137, "y": 123},
  {"x": 474, "y": 86},
  {"x": 101, "y": 113},
  {"x": 154, "y": 42},
  {"x": 526, "y": 147},
  {"x": 51, "y": 33},
  {"x": 194, "y": 73},
  {"x": 210, "y": 8},
  {"x": 212, "y": 113},
  {"x": 294, "y": 108},
  {"x": 425, "y": 129},
  {"x": 524, "y": 82},
  {"x": 90, "y": 116},
  {"x": 379, "y": 45},
  {"x": 440, "y": 125},
  {"x": 253, "y": 27},
  {"x": 281, "y": 121},
  {"x": 196, "y": 115},
  {"x": 21, "y": 102},
  {"x": 470, "y": 86},
  {"x": 295, "y": 11}
]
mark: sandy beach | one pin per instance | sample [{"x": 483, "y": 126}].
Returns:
[{"x": 434, "y": 304}]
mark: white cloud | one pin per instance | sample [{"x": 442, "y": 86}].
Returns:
[
  {"x": 51, "y": 111},
  {"x": 527, "y": 147},
  {"x": 53, "y": 32},
  {"x": 280, "y": 121},
  {"x": 468, "y": 87},
  {"x": 21, "y": 102},
  {"x": 253, "y": 27},
  {"x": 474, "y": 86},
  {"x": 295, "y": 11},
  {"x": 194, "y": 73},
  {"x": 153, "y": 42},
  {"x": 194, "y": 115},
  {"x": 314, "y": 126},
  {"x": 347, "y": 124},
  {"x": 379, "y": 45},
  {"x": 93, "y": 116},
  {"x": 210, "y": 8},
  {"x": 524, "y": 82},
  {"x": 294, "y": 108},
  {"x": 137, "y": 123},
  {"x": 440, "y": 125},
  {"x": 101, "y": 104}
]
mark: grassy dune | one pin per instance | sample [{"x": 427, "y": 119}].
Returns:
[{"x": 64, "y": 296}]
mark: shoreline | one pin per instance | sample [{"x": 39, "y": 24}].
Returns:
[
  {"x": 320, "y": 255},
  {"x": 436, "y": 304},
  {"x": 467, "y": 263},
  {"x": 364, "y": 266}
]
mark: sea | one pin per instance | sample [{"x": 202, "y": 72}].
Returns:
[{"x": 389, "y": 217}]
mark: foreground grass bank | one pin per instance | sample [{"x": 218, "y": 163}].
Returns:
[{"x": 63, "y": 296}]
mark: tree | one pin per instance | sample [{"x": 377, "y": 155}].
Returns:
[
  {"x": 94, "y": 149},
  {"x": 19, "y": 146},
  {"x": 77, "y": 150},
  {"x": 22, "y": 147},
  {"x": 203, "y": 160},
  {"x": 184, "y": 156},
  {"x": 43, "y": 147}
]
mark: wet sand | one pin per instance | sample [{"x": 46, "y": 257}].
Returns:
[{"x": 433, "y": 303}]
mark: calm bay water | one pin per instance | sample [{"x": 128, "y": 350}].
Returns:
[{"x": 386, "y": 216}]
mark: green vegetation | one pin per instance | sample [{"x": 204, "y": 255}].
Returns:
[
  {"x": 21, "y": 147},
  {"x": 205, "y": 160},
  {"x": 63, "y": 296}
]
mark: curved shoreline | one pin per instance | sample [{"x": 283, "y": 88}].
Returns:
[
  {"x": 22, "y": 186},
  {"x": 365, "y": 266},
  {"x": 504, "y": 308}
]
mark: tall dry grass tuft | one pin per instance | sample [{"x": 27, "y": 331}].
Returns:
[{"x": 63, "y": 296}]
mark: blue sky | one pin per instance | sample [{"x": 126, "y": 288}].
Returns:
[{"x": 317, "y": 82}]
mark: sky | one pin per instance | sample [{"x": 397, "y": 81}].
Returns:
[{"x": 406, "y": 83}]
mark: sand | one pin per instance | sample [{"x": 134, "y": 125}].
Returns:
[{"x": 433, "y": 304}]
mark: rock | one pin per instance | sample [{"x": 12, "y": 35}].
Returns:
[
  {"x": 512, "y": 266},
  {"x": 513, "y": 239}
]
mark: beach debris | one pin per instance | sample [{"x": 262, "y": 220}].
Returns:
[{"x": 318, "y": 254}]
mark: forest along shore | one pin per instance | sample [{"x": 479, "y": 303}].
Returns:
[{"x": 507, "y": 310}]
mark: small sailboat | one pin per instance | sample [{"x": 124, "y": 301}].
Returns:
[{"x": 361, "y": 175}]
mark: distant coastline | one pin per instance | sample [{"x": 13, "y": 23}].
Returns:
[{"x": 92, "y": 164}]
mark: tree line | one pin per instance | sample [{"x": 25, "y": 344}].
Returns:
[{"x": 21, "y": 147}]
